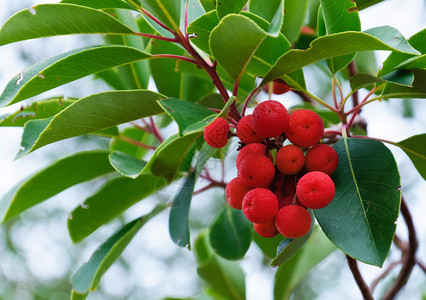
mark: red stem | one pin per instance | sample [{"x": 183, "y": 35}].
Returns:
[
  {"x": 191, "y": 60},
  {"x": 136, "y": 143},
  {"x": 157, "y": 37},
  {"x": 155, "y": 131},
  {"x": 145, "y": 12},
  {"x": 252, "y": 93}
]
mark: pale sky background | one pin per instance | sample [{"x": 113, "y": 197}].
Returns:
[{"x": 149, "y": 253}]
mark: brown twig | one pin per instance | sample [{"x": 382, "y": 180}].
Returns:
[
  {"x": 365, "y": 290},
  {"x": 409, "y": 258},
  {"x": 385, "y": 272}
]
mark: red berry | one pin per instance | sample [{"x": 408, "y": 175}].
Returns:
[
  {"x": 256, "y": 170},
  {"x": 279, "y": 189},
  {"x": 293, "y": 221},
  {"x": 305, "y": 128},
  {"x": 290, "y": 160},
  {"x": 246, "y": 132},
  {"x": 280, "y": 88},
  {"x": 270, "y": 118},
  {"x": 235, "y": 192},
  {"x": 254, "y": 148},
  {"x": 216, "y": 133},
  {"x": 315, "y": 190},
  {"x": 260, "y": 205},
  {"x": 322, "y": 158},
  {"x": 267, "y": 230}
]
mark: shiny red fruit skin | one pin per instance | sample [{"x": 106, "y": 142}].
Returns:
[
  {"x": 216, "y": 133},
  {"x": 315, "y": 190},
  {"x": 290, "y": 160},
  {"x": 293, "y": 221},
  {"x": 267, "y": 230},
  {"x": 305, "y": 128},
  {"x": 256, "y": 170},
  {"x": 235, "y": 192},
  {"x": 270, "y": 118},
  {"x": 246, "y": 132},
  {"x": 260, "y": 205},
  {"x": 321, "y": 157}
]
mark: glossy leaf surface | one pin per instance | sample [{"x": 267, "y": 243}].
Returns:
[
  {"x": 109, "y": 202},
  {"x": 179, "y": 214},
  {"x": 225, "y": 277},
  {"x": 67, "y": 67},
  {"x": 293, "y": 271},
  {"x": 231, "y": 233},
  {"x": 89, "y": 114},
  {"x": 54, "y": 179},
  {"x": 361, "y": 218},
  {"x": 415, "y": 148},
  {"x": 333, "y": 45},
  {"x": 58, "y": 19}
]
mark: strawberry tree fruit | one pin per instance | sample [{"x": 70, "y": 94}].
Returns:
[
  {"x": 293, "y": 221},
  {"x": 260, "y": 205},
  {"x": 305, "y": 128},
  {"x": 321, "y": 157},
  {"x": 270, "y": 118},
  {"x": 279, "y": 88},
  {"x": 216, "y": 133},
  {"x": 235, "y": 192},
  {"x": 255, "y": 148},
  {"x": 267, "y": 230},
  {"x": 246, "y": 132},
  {"x": 256, "y": 170},
  {"x": 290, "y": 160},
  {"x": 315, "y": 190}
]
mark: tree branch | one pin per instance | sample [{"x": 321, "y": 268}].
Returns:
[
  {"x": 353, "y": 266},
  {"x": 409, "y": 260}
]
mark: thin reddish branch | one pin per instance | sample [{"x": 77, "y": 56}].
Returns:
[
  {"x": 248, "y": 99},
  {"x": 155, "y": 131},
  {"x": 409, "y": 259},
  {"x": 157, "y": 37},
  {"x": 385, "y": 272},
  {"x": 207, "y": 187},
  {"x": 173, "y": 56},
  {"x": 136, "y": 143},
  {"x": 149, "y": 15},
  {"x": 365, "y": 291}
]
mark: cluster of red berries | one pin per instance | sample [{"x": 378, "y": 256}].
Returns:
[{"x": 275, "y": 197}]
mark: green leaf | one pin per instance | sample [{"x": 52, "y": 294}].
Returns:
[
  {"x": 230, "y": 234},
  {"x": 225, "y": 277},
  {"x": 295, "y": 12},
  {"x": 77, "y": 296},
  {"x": 54, "y": 179},
  {"x": 87, "y": 278},
  {"x": 417, "y": 62},
  {"x": 163, "y": 70},
  {"x": 340, "y": 16},
  {"x": 415, "y": 148},
  {"x": 186, "y": 113},
  {"x": 233, "y": 43},
  {"x": 120, "y": 143},
  {"x": 90, "y": 114},
  {"x": 360, "y": 80},
  {"x": 289, "y": 247},
  {"x": 36, "y": 110},
  {"x": 126, "y": 164},
  {"x": 201, "y": 28},
  {"x": 225, "y": 7},
  {"x": 109, "y": 202},
  {"x": 398, "y": 91},
  {"x": 140, "y": 69},
  {"x": 100, "y": 4},
  {"x": 58, "y": 19},
  {"x": 65, "y": 68},
  {"x": 167, "y": 161},
  {"x": 268, "y": 245},
  {"x": 395, "y": 58},
  {"x": 362, "y": 4},
  {"x": 361, "y": 218},
  {"x": 333, "y": 45},
  {"x": 266, "y": 12},
  {"x": 179, "y": 214},
  {"x": 167, "y": 11},
  {"x": 294, "y": 271}
]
